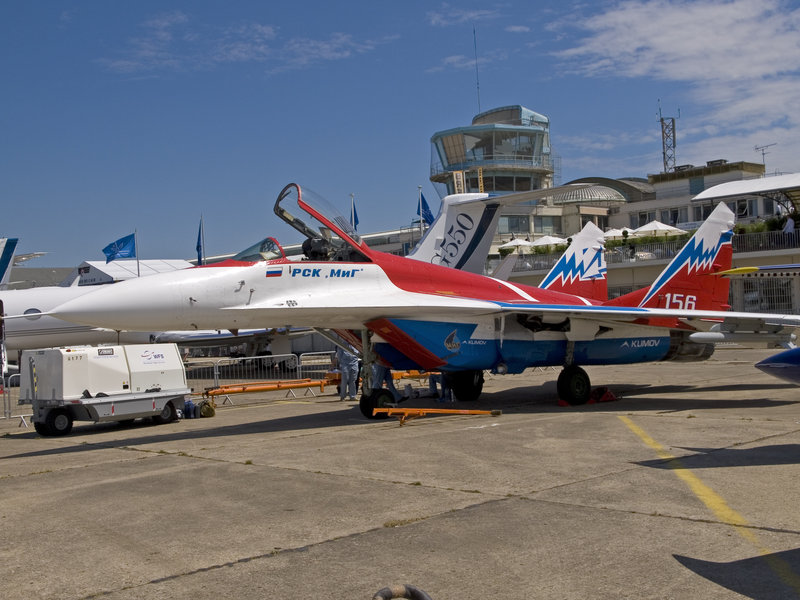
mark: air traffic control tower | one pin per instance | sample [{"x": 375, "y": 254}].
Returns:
[{"x": 505, "y": 149}]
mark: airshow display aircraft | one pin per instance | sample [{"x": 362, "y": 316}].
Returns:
[{"x": 413, "y": 314}]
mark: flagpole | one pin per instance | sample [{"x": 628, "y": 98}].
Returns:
[
  {"x": 352, "y": 210},
  {"x": 136, "y": 249},
  {"x": 202, "y": 240},
  {"x": 419, "y": 204}
]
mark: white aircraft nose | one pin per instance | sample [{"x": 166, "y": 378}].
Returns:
[{"x": 127, "y": 305}]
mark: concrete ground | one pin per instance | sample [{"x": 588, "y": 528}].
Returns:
[{"x": 686, "y": 487}]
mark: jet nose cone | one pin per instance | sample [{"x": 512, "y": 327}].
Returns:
[{"x": 127, "y": 305}]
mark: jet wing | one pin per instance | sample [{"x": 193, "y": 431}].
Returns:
[{"x": 708, "y": 326}]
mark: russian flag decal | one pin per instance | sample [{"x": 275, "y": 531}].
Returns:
[{"x": 274, "y": 271}]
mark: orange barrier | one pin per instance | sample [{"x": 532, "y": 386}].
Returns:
[{"x": 406, "y": 414}]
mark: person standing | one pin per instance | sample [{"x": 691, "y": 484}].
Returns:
[
  {"x": 382, "y": 374},
  {"x": 348, "y": 367}
]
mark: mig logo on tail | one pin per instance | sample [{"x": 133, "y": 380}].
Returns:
[
  {"x": 590, "y": 265},
  {"x": 697, "y": 256}
]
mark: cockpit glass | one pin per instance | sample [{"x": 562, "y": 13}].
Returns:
[
  {"x": 288, "y": 207},
  {"x": 266, "y": 249}
]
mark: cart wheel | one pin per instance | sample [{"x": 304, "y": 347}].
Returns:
[
  {"x": 42, "y": 429},
  {"x": 59, "y": 421},
  {"x": 167, "y": 415}
]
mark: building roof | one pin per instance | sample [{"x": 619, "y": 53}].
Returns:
[
  {"x": 787, "y": 185},
  {"x": 594, "y": 193},
  {"x": 632, "y": 190}
]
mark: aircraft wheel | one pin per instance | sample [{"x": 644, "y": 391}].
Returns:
[
  {"x": 167, "y": 415},
  {"x": 59, "y": 421},
  {"x": 573, "y": 385},
  {"x": 375, "y": 399},
  {"x": 466, "y": 385}
]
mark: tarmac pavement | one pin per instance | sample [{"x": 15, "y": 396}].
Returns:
[{"x": 686, "y": 487}]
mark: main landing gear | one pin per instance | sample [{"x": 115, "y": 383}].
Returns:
[{"x": 573, "y": 385}]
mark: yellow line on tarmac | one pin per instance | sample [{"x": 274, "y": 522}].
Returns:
[{"x": 718, "y": 506}]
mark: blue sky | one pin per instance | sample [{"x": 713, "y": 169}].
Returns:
[{"x": 117, "y": 116}]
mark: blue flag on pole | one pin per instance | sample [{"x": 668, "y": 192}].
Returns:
[
  {"x": 426, "y": 215},
  {"x": 353, "y": 216},
  {"x": 200, "y": 243},
  {"x": 124, "y": 247}
]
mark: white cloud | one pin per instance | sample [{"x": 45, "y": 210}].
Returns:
[
  {"x": 301, "y": 52},
  {"x": 740, "y": 59},
  {"x": 170, "y": 42},
  {"x": 448, "y": 14},
  {"x": 518, "y": 29},
  {"x": 244, "y": 43}
]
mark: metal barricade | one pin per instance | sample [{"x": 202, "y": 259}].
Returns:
[
  {"x": 315, "y": 365},
  {"x": 203, "y": 374},
  {"x": 8, "y": 385}
]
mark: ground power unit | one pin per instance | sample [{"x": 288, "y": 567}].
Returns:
[{"x": 105, "y": 383}]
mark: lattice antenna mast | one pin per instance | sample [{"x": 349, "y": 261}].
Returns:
[
  {"x": 668, "y": 140},
  {"x": 763, "y": 150}
]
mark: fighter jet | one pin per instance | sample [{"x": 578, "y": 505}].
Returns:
[{"x": 414, "y": 314}]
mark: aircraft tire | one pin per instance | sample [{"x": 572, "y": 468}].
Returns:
[
  {"x": 59, "y": 421},
  {"x": 466, "y": 385},
  {"x": 375, "y": 399},
  {"x": 167, "y": 415},
  {"x": 574, "y": 386}
]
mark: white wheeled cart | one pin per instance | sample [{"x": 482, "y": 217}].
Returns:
[{"x": 105, "y": 383}]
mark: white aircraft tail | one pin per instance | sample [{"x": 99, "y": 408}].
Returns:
[
  {"x": 7, "y": 247},
  {"x": 463, "y": 231},
  {"x": 581, "y": 270}
]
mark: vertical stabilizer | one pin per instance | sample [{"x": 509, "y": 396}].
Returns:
[
  {"x": 461, "y": 234},
  {"x": 581, "y": 270},
  {"x": 691, "y": 281},
  {"x": 7, "y": 247}
]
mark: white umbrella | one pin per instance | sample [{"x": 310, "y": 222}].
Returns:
[
  {"x": 548, "y": 240},
  {"x": 616, "y": 233},
  {"x": 657, "y": 228},
  {"x": 515, "y": 243}
]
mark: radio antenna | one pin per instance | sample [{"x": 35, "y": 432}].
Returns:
[{"x": 477, "y": 80}]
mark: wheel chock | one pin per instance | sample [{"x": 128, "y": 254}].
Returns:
[
  {"x": 601, "y": 394},
  {"x": 597, "y": 395}
]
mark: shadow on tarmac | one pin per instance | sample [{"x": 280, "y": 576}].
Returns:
[
  {"x": 544, "y": 398},
  {"x": 537, "y": 399},
  {"x": 761, "y": 577},
  {"x": 162, "y": 433},
  {"x": 680, "y": 389},
  {"x": 712, "y": 458}
]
